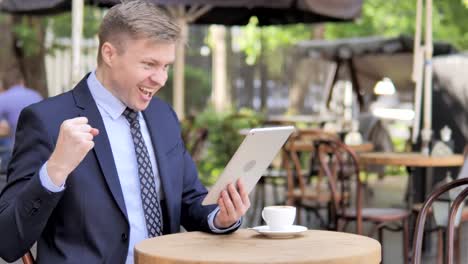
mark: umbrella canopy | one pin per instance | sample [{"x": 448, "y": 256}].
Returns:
[
  {"x": 372, "y": 58},
  {"x": 226, "y": 12}
]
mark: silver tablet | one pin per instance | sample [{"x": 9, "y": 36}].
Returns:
[{"x": 251, "y": 159}]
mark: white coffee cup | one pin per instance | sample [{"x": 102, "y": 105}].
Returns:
[{"x": 280, "y": 217}]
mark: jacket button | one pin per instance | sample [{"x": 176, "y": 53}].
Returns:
[
  {"x": 124, "y": 237},
  {"x": 37, "y": 204}
]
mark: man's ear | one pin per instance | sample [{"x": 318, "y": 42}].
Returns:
[{"x": 108, "y": 53}]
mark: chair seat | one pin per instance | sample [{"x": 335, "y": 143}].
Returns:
[
  {"x": 279, "y": 173},
  {"x": 313, "y": 195},
  {"x": 418, "y": 206},
  {"x": 379, "y": 214},
  {"x": 464, "y": 217}
]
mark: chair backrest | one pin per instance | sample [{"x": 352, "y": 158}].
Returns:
[
  {"x": 300, "y": 144},
  {"x": 420, "y": 222},
  {"x": 341, "y": 166}
]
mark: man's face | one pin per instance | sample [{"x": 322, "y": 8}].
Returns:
[{"x": 139, "y": 71}]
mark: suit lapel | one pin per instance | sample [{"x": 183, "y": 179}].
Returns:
[{"x": 102, "y": 148}]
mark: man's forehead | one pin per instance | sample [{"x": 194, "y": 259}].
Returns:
[{"x": 148, "y": 47}]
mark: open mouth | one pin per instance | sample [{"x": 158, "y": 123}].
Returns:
[{"x": 147, "y": 92}]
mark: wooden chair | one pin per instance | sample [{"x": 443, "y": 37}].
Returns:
[
  {"x": 28, "y": 258},
  {"x": 425, "y": 210},
  {"x": 300, "y": 162},
  {"x": 341, "y": 166}
]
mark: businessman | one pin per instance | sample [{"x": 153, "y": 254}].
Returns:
[{"x": 102, "y": 167}]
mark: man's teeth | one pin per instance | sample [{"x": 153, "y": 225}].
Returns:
[{"x": 146, "y": 91}]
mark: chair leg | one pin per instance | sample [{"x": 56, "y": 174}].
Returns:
[
  {"x": 457, "y": 244},
  {"x": 28, "y": 258},
  {"x": 275, "y": 186},
  {"x": 405, "y": 241},
  {"x": 299, "y": 215},
  {"x": 257, "y": 203},
  {"x": 380, "y": 238},
  {"x": 440, "y": 246}
]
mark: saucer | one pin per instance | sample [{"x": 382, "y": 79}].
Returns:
[{"x": 293, "y": 231}]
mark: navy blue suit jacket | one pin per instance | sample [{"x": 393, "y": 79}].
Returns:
[{"x": 87, "y": 222}]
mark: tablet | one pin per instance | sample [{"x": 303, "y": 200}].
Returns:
[{"x": 251, "y": 159}]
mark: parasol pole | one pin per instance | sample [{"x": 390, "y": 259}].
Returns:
[
  {"x": 183, "y": 17},
  {"x": 426, "y": 133},
  {"x": 77, "y": 31},
  {"x": 416, "y": 76}
]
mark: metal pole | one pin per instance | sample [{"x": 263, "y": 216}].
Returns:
[
  {"x": 77, "y": 30},
  {"x": 426, "y": 133},
  {"x": 417, "y": 71}
]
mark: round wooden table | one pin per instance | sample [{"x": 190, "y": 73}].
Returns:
[
  {"x": 247, "y": 246},
  {"x": 411, "y": 159}
]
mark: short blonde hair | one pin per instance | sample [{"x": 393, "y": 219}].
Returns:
[{"x": 136, "y": 19}]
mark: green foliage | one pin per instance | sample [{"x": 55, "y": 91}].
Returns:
[
  {"x": 223, "y": 139},
  {"x": 396, "y": 17},
  {"x": 268, "y": 41},
  {"x": 28, "y": 36},
  {"x": 61, "y": 23},
  {"x": 198, "y": 88}
]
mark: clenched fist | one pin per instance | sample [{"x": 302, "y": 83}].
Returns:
[{"x": 75, "y": 140}]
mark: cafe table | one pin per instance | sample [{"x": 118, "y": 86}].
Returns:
[
  {"x": 411, "y": 160},
  {"x": 248, "y": 246}
]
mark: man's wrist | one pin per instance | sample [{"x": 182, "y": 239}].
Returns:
[{"x": 57, "y": 172}]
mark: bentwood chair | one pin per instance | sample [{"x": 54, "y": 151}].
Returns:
[
  {"x": 306, "y": 186},
  {"x": 425, "y": 211},
  {"x": 341, "y": 166},
  {"x": 28, "y": 258}
]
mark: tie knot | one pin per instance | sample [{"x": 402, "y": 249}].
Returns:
[{"x": 130, "y": 115}]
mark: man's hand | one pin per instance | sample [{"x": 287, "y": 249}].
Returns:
[
  {"x": 4, "y": 128},
  {"x": 75, "y": 140},
  {"x": 232, "y": 205}
]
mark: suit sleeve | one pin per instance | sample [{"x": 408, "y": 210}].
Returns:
[{"x": 25, "y": 205}]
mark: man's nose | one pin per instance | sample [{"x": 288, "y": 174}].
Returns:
[{"x": 159, "y": 77}]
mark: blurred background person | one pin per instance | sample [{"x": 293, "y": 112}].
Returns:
[{"x": 14, "y": 96}]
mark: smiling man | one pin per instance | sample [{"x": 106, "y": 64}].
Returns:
[{"x": 102, "y": 167}]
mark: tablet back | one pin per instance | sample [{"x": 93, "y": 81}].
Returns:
[{"x": 251, "y": 159}]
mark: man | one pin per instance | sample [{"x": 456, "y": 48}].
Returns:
[
  {"x": 14, "y": 96},
  {"x": 13, "y": 99},
  {"x": 102, "y": 167}
]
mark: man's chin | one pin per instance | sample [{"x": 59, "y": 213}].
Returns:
[{"x": 141, "y": 107}]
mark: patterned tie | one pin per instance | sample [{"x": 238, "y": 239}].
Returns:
[{"x": 149, "y": 196}]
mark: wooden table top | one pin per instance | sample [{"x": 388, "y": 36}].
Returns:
[
  {"x": 411, "y": 159},
  {"x": 247, "y": 246},
  {"x": 308, "y": 146},
  {"x": 318, "y": 118}
]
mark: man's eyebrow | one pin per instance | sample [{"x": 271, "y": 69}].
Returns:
[{"x": 157, "y": 61}]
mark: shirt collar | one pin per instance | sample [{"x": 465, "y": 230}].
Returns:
[{"x": 104, "y": 98}]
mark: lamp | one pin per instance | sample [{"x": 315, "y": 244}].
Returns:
[{"x": 384, "y": 87}]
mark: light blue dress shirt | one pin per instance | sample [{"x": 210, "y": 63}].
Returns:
[{"x": 120, "y": 138}]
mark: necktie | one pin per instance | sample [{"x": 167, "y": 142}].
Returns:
[{"x": 149, "y": 195}]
